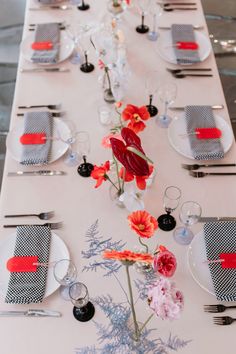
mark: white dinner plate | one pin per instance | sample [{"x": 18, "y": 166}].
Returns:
[
  {"x": 182, "y": 145},
  {"x": 198, "y": 269},
  {"x": 60, "y": 129},
  {"x": 66, "y": 48},
  {"x": 166, "y": 51},
  {"x": 58, "y": 251}
]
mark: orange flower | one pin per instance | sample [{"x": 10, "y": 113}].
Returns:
[
  {"x": 128, "y": 256},
  {"x": 101, "y": 64},
  {"x": 118, "y": 104},
  {"x": 100, "y": 173},
  {"x": 136, "y": 116},
  {"x": 143, "y": 223}
]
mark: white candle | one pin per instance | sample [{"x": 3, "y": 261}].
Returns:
[{"x": 105, "y": 115}]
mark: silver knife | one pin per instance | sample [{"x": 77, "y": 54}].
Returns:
[
  {"x": 31, "y": 313},
  {"x": 217, "y": 218},
  {"x": 50, "y": 7},
  {"x": 46, "y": 70},
  {"x": 196, "y": 27},
  {"x": 219, "y": 106},
  {"x": 37, "y": 173}
]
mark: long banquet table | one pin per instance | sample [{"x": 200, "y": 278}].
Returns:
[{"x": 79, "y": 205}]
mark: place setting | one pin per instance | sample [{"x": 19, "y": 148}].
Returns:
[
  {"x": 46, "y": 45},
  {"x": 200, "y": 134},
  {"x": 183, "y": 45}
]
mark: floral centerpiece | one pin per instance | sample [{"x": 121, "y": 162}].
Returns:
[
  {"x": 163, "y": 298},
  {"x": 129, "y": 163}
]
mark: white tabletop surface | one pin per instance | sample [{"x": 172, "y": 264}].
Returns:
[{"x": 79, "y": 205}]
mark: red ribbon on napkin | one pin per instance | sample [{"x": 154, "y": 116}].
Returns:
[
  {"x": 42, "y": 45},
  {"x": 187, "y": 45},
  {"x": 33, "y": 138},
  {"x": 22, "y": 264},
  {"x": 208, "y": 133},
  {"x": 228, "y": 260}
]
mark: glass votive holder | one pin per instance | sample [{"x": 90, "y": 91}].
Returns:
[{"x": 104, "y": 114}]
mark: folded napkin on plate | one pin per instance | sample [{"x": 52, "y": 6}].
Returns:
[
  {"x": 184, "y": 33},
  {"x": 202, "y": 117},
  {"x": 47, "y": 32},
  {"x": 220, "y": 237},
  {"x": 37, "y": 122},
  {"x": 28, "y": 287}
]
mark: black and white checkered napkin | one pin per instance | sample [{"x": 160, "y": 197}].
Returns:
[
  {"x": 27, "y": 287},
  {"x": 37, "y": 122},
  {"x": 47, "y": 32},
  {"x": 184, "y": 33},
  {"x": 202, "y": 117},
  {"x": 220, "y": 237}
]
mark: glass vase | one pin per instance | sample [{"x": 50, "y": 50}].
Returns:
[{"x": 115, "y": 193}]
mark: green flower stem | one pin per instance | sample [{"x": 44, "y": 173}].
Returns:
[
  {"x": 143, "y": 244},
  {"x": 123, "y": 182},
  {"x": 117, "y": 172},
  {"x": 136, "y": 328},
  {"x": 146, "y": 322},
  {"x": 108, "y": 77},
  {"x": 108, "y": 178}
]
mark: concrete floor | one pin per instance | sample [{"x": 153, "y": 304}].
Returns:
[{"x": 12, "y": 18}]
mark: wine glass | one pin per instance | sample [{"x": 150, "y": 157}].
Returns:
[
  {"x": 83, "y": 309},
  {"x": 167, "y": 93},
  {"x": 83, "y": 6},
  {"x": 155, "y": 11},
  {"x": 85, "y": 45},
  {"x": 151, "y": 85},
  {"x": 143, "y": 7},
  {"x": 190, "y": 213},
  {"x": 83, "y": 142},
  {"x": 65, "y": 273},
  {"x": 167, "y": 222}
]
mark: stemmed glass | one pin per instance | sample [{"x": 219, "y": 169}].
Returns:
[
  {"x": 167, "y": 93},
  {"x": 83, "y": 142},
  {"x": 190, "y": 213},
  {"x": 65, "y": 273},
  {"x": 83, "y": 309},
  {"x": 85, "y": 45},
  {"x": 151, "y": 88},
  {"x": 155, "y": 11},
  {"x": 167, "y": 222},
  {"x": 83, "y": 6},
  {"x": 143, "y": 7}
]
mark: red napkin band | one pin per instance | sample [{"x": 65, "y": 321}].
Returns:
[
  {"x": 22, "y": 264},
  {"x": 187, "y": 45},
  {"x": 228, "y": 260},
  {"x": 42, "y": 45},
  {"x": 208, "y": 133},
  {"x": 33, "y": 138}
]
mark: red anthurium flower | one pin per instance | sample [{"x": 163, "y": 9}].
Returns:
[
  {"x": 135, "y": 115},
  {"x": 143, "y": 223},
  {"x": 100, "y": 173},
  {"x": 131, "y": 161},
  {"x": 140, "y": 180}
]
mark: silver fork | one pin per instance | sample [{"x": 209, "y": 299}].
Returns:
[
  {"x": 179, "y": 71},
  {"x": 200, "y": 174},
  {"x": 54, "y": 114},
  {"x": 217, "y": 308},
  {"x": 43, "y": 216},
  {"x": 52, "y": 225},
  {"x": 197, "y": 166},
  {"x": 224, "y": 320},
  {"x": 50, "y": 106}
]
